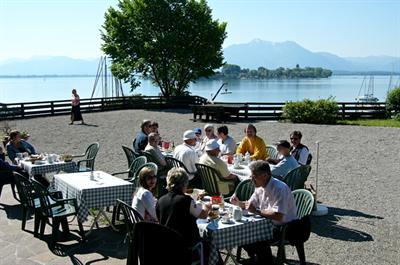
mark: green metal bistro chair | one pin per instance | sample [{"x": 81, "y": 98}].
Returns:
[
  {"x": 130, "y": 154},
  {"x": 296, "y": 178},
  {"x": 133, "y": 168},
  {"x": 272, "y": 152},
  {"x": 304, "y": 201},
  {"x": 90, "y": 154},
  {"x": 56, "y": 209},
  {"x": 243, "y": 192},
  {"x": 174, "y": 163},
  {"x": 29, "y": 200},
  {"x": 131, "y": 217},
  {"x": 210, "y": 178},
  {"x": 170, "y": 246}
]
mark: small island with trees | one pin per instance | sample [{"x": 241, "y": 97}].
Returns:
[{"x": 232, "y": 71}]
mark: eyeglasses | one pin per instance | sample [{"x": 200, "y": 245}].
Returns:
[
  {"x": 208, "y": 130},
  {"x": 294, "y": 139}
]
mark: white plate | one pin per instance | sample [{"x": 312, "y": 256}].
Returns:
[{"x": 227, "y": 222}]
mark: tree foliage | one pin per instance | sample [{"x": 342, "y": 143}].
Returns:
[
  {"x": 173, "y": 42},
  {"x": 393, "y": 101},
  {"x": 233, "y": 71}
]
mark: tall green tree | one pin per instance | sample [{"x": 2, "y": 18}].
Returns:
[{"x": 173, "y": 42}]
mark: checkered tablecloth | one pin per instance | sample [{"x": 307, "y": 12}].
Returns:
[
  {"x": 36, "y": 169},
  {"x": 228, "y": 236},
  {"x": 101, "y": 192},
  {"x": 243, "y": 172}
]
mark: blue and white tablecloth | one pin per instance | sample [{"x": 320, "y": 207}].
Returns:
[
  {"x": 46, "y": 167},
  {"x": 228, "y": 236},
  {"x": 102, "y": 191}
]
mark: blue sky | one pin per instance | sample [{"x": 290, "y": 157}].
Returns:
[{"x": 71, "y": 27}]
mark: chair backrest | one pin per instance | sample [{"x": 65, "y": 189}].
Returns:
[
  {"x": 25, "y": 190},
  {"x": 244, "y": 190},
  {"x": 130, "y": 154},
  {"x": 91, "y": 153},
  {"x": 272, "y": 152},
  {"x": 151, "y": 165},
  {"x": 209, "y": 177},
  {"x": 44, "y": 197},
  {"x": 136, "y": 164},
  {"x": 173, "y": 162},
  {"x": 153, "y": 242},
  {"x": 150, "y": 157},
  {"x": 296, "y": 178},
  {"x": 304, "y": 201},
  {"x": 131, "y": 216}
]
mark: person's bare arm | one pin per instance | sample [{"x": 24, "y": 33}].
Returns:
[{"x": 272, "y": 215}]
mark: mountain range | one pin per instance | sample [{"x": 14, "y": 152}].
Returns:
[{"x": 248, "y": 55}]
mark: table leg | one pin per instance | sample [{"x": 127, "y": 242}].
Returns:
[
  {"x": 96, "y": 219},
  {"x": 230, "y": 255}
]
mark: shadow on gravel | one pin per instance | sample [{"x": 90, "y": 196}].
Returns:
[
  {"x": 326, "y": 226},
  {"x": 87, "y": 125},
  {"x": 13, "y": 211},
  {"x": 103, "y": 241}
]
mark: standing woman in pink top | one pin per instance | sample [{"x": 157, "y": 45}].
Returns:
[{"x": 76, "y": 108}]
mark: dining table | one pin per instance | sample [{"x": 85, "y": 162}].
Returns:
[
  {"x": 242, "y": 171},
  {"x": 43, "y": 166},
  {"x": 228, "y": 235},
  {"x": 94, "y": 190}
]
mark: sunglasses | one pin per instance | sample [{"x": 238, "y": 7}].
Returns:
[{"x": 294, "y": 138}]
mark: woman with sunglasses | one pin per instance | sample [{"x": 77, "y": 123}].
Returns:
[{"x": 298, "y": 150}]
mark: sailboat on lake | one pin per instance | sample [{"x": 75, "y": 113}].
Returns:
[{"x": 368, "y": 90}]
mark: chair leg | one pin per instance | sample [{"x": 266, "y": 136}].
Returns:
[
  {"x": 24, "y": 215},
  {"x": 37, "y": 223},
  {"x": 239, "y": 254},
  {"x": 14, "y": 193},
  {"x": 300, "y": 253},
  {"x": 280, "y": 256},
  {"x": 54, "y": 233},
  {"x": 43, "y": 221},
  {"x": 64, "y": 225},
  {"x": 81, "y": 231}
]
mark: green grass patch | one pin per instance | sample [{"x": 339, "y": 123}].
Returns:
[{"x": 379, "y": 122}]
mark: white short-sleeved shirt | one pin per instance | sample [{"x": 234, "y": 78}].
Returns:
[
  {"x": 277, "y": 197},
  {"x": 145, "y": 203},
  {"x": 228, "y": 146},
  {"x": 188, "y": 156}
]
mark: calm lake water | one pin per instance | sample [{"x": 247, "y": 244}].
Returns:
[{"x": 343, "y": 88}]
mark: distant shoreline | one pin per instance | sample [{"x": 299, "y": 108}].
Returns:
[{"x": 338, "y": 73}]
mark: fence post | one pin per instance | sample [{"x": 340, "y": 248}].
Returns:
[
  {"x": 22, "y": 110},
  {"x": 246, "y": 111},
  {"x": 343, "y": 111},
  {"x": 102, "y": 104},
  {"x": 52, "y": 108}
]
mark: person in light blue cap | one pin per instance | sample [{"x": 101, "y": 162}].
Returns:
[{"x": 197, "y": 132}]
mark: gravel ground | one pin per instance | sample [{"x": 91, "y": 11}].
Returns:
[{"x": 358, "y": 174}]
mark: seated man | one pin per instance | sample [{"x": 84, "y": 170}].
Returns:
[
  {"x": 17, "y": 145},
  {"x": 140, "y": 142},
  {"x": 153, "y": 149},
  {"x": 6, "y": 171},
  {"x": 253, "y": 144},
  {"x": 210, "y": 158},
  {"x": 299, "y": 151},
  {"x": 187, "y": 154},
  {"x": 271, "y": 199},
  {"x": 227, "y": 145},
  {"x": 287, "y": 163}
]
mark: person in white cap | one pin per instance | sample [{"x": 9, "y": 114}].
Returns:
[
  {"x": 186, "y": 153},
  {"x": 210, "y": 158},
  {"x": 210, "y": 134}
]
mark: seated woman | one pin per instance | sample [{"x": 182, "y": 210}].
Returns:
[
  {"x": 144, "y": 201},
  {"x": 17, "y": 145}
]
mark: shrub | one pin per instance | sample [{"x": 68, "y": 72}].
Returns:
[
  {"x": 393, "y": 101},
  {"x": 322, "y": 111},
  {"x": 397, "y": 117}
]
